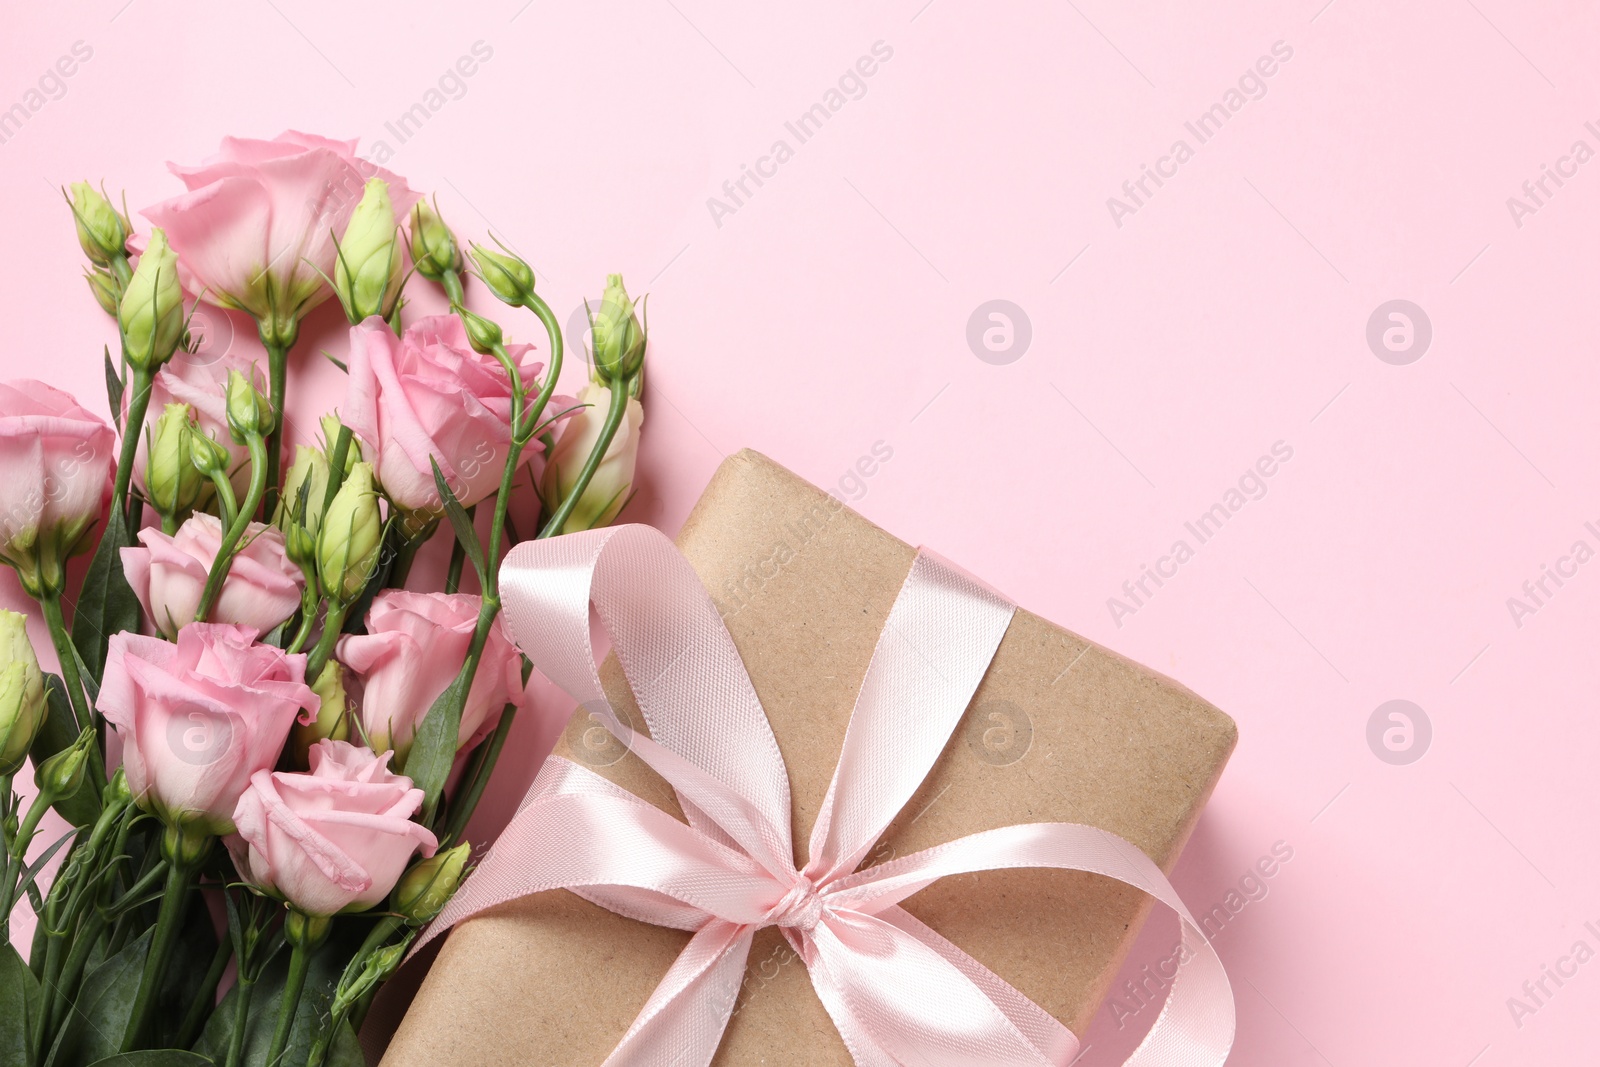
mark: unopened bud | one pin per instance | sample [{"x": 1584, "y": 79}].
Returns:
[
  {"x": 117, "y": 792},
  {"x": 308, "y": 475},
  {"x": 151, "y": 312},
  {"x": 427, "y": 887},
  {"x": 104, "y": 288},
  {"x": 175, "y": 484},
  {"x": 484, "y": 334},
  {"x": 60, "y": 776},
  {"x": 619, "y": 339},
  {"x": 330, "y": 437},
  {"x": 433, "y": 246},
  {"x": 22, "y": 699},
  {"x": 102, "y": 231},
  {"x": 369, "y": 268},
  {"x": 506, "y": 275},
  {"x": 249, "y": 413},
  {"x": 332, "y": 721},
  {"x": 209, "y": 456},
  {"x": 351, "y": 538}
]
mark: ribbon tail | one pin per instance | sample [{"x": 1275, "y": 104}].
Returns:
[
  {"x": 681, "y": 1025},
  {"x": 1196, "y": 1024},
  {"x": 1044, "y": 1032}
]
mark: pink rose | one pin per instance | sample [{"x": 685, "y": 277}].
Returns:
[
  {"x": 199, "y": 717},
  {"x": 169, "y": 574},
  {"x": 414, "y": 645},
  {"x": 55, "y": 458},
  {"x": 336, "y": 839},
  {"x": 425, "y": 394},
  {"x": 259, "y": 221}
]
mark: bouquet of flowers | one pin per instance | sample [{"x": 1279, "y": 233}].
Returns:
[{"x": 266, "y": 747}]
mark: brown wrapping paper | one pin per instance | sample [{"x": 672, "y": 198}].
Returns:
[{"x": 1059, "y": 730}]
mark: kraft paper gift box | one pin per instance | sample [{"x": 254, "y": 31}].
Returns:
[{"x": 1059, "y": 730}]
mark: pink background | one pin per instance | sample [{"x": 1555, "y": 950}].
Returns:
[{"x": 1228, "y": 312}]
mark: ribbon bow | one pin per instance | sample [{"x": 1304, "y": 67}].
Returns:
[{"x": 898, "y": 992}]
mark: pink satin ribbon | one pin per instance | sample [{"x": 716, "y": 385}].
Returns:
[{"x": 899, "y": 993}]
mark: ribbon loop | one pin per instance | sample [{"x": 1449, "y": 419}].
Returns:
[{"x": 898, "y": 992}]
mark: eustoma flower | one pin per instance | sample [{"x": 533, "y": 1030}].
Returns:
[
  {"x": 199, "y": 717},
  {"x": 260, "y": 220},
  {"x": 412, "y": 649},
  {"x": 54, "y": 458},
  {"x": 168, "y": 575},
  {"x": 336, "y": 839},
  {"x": 428, "y": 394}
]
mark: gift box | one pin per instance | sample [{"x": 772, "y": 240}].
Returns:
[{"x": 1059, "y": 730}]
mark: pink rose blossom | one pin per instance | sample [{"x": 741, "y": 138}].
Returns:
[
  {"x": 168, "y": 575},
  {"x": 55, "y": 458},
  {"x": 428, "y": 394},
  {"x": 336, "y": 839},
  {"x": 260, "y": 218},
  {"x": 199, "y": 717},
  {"x": 414, "y": 645}
]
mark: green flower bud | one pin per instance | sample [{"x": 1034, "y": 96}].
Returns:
[
  {"x": 619, "y": 339},
  {"x": 60, "y": 776},
  {"x": 249, "y": 413},
  {"x": 104, "y": 288},
  {"x": 175, "y": 484},
  {"x": 351, "y": 537},
  {"x": 330, "y": 437},
  {"x": 208, "y": 455},
  {"x": 310, "y": 470},
  {"x": 300, "y": 545},
  {"x": 332, "y": 721},
  {"x": 433, "y": 246},
  {"x": 369, "y": 269},
  {"x": 427, "y": 887},
  {"x": 484, "y": 334},
  {"x": 375, "y": 970},
  {"x": 102, "y": 231},
  {"x": 117, "y": 793},
  {"x": 22, "y": 701},
  {"x": 507, "y": 276},
  {"x": 151, "y": 313}
]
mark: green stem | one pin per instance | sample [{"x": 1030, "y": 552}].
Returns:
[
  {"x": 65, "y": 652},
  {"x": 476, "y": 779},
  {"x": 205, "y": 997},
  {"x": 405, "y": 553},
  {"x": 608, "y": 430},
  {"x": 16, "y": 862},
  {"x": 332, "y": 629},
  {"x": 458, "y": 558},
  {"x": 169, "y": 925},
  {"x": 138, "y": 404},
  {"x": 227, "y": 503},
  {"x": 278, "y": 382},
  {"x": 260, "y": 473},
  {"x": 241, "y": 1018},
  {"x": 308, "y": 617},
  {"x": 299, "y": 962}
]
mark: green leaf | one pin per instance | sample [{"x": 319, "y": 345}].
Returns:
[
  {"x": 460, "y": 522},
  {"x": 107, "y": 604},
  {"x": 156, "y": 1057},
  {"x": 19, "y": 1006},
  {"x": 322, "y": 978},
  {"x": 59, "y": 730},
  {"x": 114, "y": 390},
  {"x": 101, "y": 1012},
  {"x": 433, "y": 749},
  {"x": 345, "y": 1051}
]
